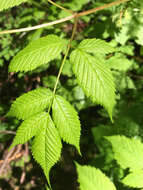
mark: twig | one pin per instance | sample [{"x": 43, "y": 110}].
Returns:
[
  {"x": 136, "y": 76},
  {"x": 61, "y": 7},
  {"x": 26, "y": 149},
  {"x": 63, "y": 62},
  {"x": 102, "y": 7},
  {"x": 22, "y": 179},
  {"x": 38, "y": 26},
  {"x": 84, "y": 13},
  {"x": 8, "y": 132},
  {"x": 17, "y": 154},
  {"x": 6, "y": 160}
]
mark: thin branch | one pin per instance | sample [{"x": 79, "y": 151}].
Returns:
[
  {"x": 12, "y": 158},
  {"x": 135, "y": 76},
  {"x": 38, "y": 26},
  {"x": 63, "y": 62},
  {"x": 6, "y": 160},
  {"x": 102, "y": 7},
  {"x": 8, "y": 132},
  {"x": 16, "y": 153},
  {"x": 61, "y": 7},
  {"x": 26, "y": 152},
  {"x": 66, "y": 18},
  {"x": 66, "y": 54}
]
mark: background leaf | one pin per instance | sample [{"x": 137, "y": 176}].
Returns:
[
  {"x": 119, "y": 62},
  {"x": 134, "y": 179},
  {"x": 37, "y": 53},
  {"x": 128, "y": 152},
  {"x": 93, "y": 179}
]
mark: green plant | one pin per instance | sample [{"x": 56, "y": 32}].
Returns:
[{"x": 49, "y": 117}]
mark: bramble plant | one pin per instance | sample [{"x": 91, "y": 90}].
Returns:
[{"x": 48, "y": 117}]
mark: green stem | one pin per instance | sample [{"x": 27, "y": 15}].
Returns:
[
  {"x": 63, "y": 62},
  {"x": 59, "y": 6}
]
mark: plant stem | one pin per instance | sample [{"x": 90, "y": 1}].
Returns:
[
  {"x": 38, "y": 26},
  {"x": 66, "y": 18},
  {"x": 61, "y": 7},
  {"x": 101, "y": 7},
  {"x": 8, "y": 132},
  {"x": 63, "y": 62}
]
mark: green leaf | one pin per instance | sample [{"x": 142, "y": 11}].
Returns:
[
  {"x": 95, "y": 46},
  {"x": 30, "y": 103},
  {"x": 127, "y": 49},
  {"x": 95, "y": 79},
  {"x": 5, "y": 4},
  {"x": 46, "y": 148},
  {"x": 101, "y": 131},
  {"x": 119, "y": 62},
  {"x": 134, "y": 179},
  {"x": 67, "y": 121},
  {"x": 37, "y": 53},
  {"x": 128, "y": 152},
  {"x": 93, "y": 179},
  {"x": 29, "y": 128}
]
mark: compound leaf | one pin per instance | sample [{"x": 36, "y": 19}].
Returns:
[
  {"x": 93, "y": 179},
  {"x": 46, "y": 148},
  {"x": 5, "y": 4},
  {"x": 95, "y": 79},
  {"x": 67, "y": 121},
  {"x": 37, "y": 53},
  {"x": 134, "y": 179},
  {"x": 30, "y": 103},
  {"x": 128, "y": 152},
  {"x": 95, "y": 46},
  {"x": 28, "y": 128}
]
